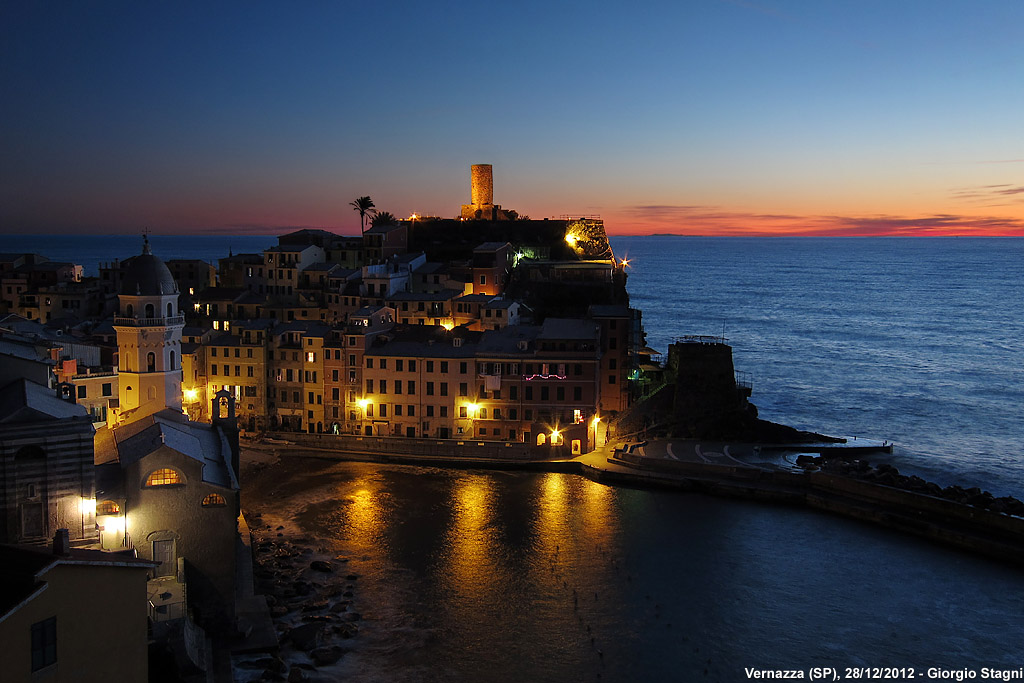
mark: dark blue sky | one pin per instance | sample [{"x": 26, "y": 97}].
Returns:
[{"x": 703, "y": 116}]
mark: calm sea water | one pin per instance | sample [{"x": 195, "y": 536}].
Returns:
[
  {"x": 509, "y": 577},
  {"x": 915, "y": 340}
]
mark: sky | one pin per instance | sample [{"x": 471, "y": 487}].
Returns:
[{"x": 710, "y": 117}]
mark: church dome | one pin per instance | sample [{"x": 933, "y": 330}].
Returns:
[{"x": 146, "y": 275}]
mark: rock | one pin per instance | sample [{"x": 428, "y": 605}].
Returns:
[
  {"x": 347, "y": 594},
  {"x": 339, "y": 607},
  {"x": 347, "y": 630},
  {"x": 352, "y": 577},
  {"x": 315, "y": 606},
  {"x": 325, "y": 656},
  {"x": 307, "y": 637},
  {"x": 352, "y": 616},
  {"x": 278, "y": 611},
  {"x": 321, "y": 566},
  {"x": 297, "y": 675},
  {"x": 279, "y": 528},
  {"x": 302, "y": 588}
]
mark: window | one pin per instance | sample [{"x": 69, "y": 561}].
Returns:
[
  {"x": 44, "y": 643},
  {"x": 444, "y": 388},
  {"x": 398, "y": 386},
  {"x": 545, "y": 393},
  {"x": 399, "y": 365},
  {"x": 369, "y": 363},
  {"x": 383, "y": 409},
  {"x": 529, "y": 393},
  {"x": 164, "y": 476},
  {"x": 410, "y": 387},
  {"x": 430, "y": 366},
  {"x": 463, "y": 389},
  {"x": 383, "y": 363},
  {"x": 214, "y": 500},
  {"x": 611, "y": 379},
  {"x": 398, "y": 410},
  {"x": 213, "y": 352},
  {"x": 105, "y": 390},
  {"x": 462, "y": 368},
  {"x": 560, "y": 394},
  {"x": 81, "y": 391},
  {"x": 311, "y": 356},
  {"x": 444, "y": 367},
  {"x": 412, "y": 366},
  {"x": 411, "y": 411},
  {"x": 108, "y": 507},
  {"x": 444, "y": 411},
  {"x": 463, "y": 411},
  {"x": 430, "y": 388},
  {"x": 151, "y": 362},
  {"x": 430, "y": 411},
  {"x": 577, "y": 393},
  {"x": 213, "y": 369}
]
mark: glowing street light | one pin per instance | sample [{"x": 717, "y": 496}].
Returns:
[{"x": 191, "y": 394}]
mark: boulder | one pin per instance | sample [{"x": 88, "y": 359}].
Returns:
[
  {"x": 307, "y": 637},
  {"x": 321, "y": 566},
  {"x": 325, "y": 656}
]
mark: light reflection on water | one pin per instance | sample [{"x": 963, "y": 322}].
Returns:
[{"x": 498, "y": 576}]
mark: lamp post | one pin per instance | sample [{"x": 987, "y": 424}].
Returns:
[{"x": 363, "y": 405}]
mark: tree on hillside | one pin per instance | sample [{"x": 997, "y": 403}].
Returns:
[
  {"x": 364, "y": 205},
  {"x": 383, "y": 218}
]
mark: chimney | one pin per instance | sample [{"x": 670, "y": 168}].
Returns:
[{"x": 61, "y": 542}]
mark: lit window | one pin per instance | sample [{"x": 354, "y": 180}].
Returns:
[
  {"x": 108, "y": 507},
  {"x": 164, "y": 476},
  {"x": 214, "y": 500}
]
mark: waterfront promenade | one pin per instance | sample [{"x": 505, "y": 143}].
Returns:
[{"x": 738, "y": 471}]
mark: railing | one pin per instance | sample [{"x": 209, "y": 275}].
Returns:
[
  {"x": 150, "y": 322},
  {"x": 700, "y": 339}
]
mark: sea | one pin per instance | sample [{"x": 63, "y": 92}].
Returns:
[{"x": 485, "y": 576}]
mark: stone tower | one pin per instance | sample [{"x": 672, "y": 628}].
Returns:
[
  {"x": 148, "y": 327},
  {"x": 482, "y": 178},
  {"x": 482, "y": 206}
]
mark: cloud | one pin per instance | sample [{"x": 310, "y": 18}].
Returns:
[
  {"x": 711, "y": 220},
  {"x": 986, "y": 193}
]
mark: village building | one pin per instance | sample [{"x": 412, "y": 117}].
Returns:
[{"x": 73, "y": 614}]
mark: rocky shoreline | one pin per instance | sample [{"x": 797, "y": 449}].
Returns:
[
  {"x": 311, "y": 592},
  {"x": 887, "y": 475}
]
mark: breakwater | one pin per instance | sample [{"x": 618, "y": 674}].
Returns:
[{"x": 958, "y": 524}]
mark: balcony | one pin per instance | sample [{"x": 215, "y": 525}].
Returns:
[{"x": 150, "y": 322}]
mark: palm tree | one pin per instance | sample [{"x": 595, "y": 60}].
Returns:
[
  {"x": 364, "y": 205},
  {"x": 383, "y": 218}
]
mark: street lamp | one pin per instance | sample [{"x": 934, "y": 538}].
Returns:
[{"x": 363, "y": 404}]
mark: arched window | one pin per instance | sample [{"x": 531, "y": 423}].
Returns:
[
  {"x": 149, "y": 310},
  {"x": 151, "y": 394},
  {"x": 172, "y": 361},
  {"x": 170, "y": 311},
  {"x": 164, "y": 476},
  {"x": 214, "y": 500},
  {"x": 129, "y": 310},
  {"x": 541, "y": 438},
  {"x": 151, "y": 362},
  {"x": 108, "y": 507}
]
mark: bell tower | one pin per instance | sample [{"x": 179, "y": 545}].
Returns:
[{"x": 148, "y": 326}]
